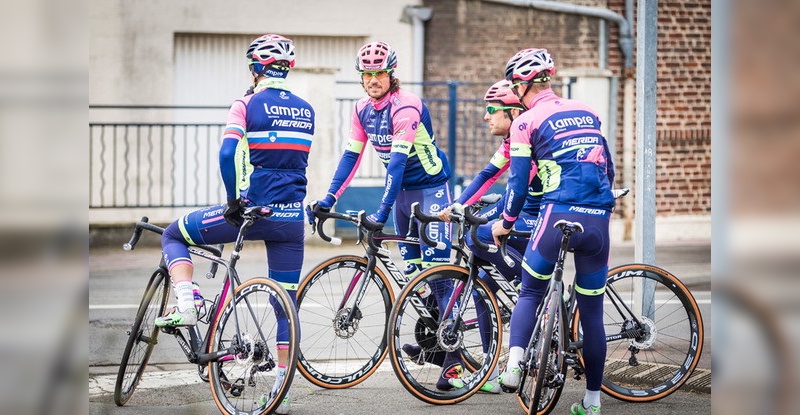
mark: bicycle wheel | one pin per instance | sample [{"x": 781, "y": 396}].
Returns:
[
  {"x": 142, "y": 337},
  {"x": 416, "y": 321},
  {"x": 660, "y": 346},
  {"x": 544, "y": 373},
  {"x": 339, "y": 350},
  {"x": 244, "y": 380}
]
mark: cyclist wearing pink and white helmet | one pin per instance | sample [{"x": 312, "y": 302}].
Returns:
[
  {"x": 560, "y": 140},
  {"x": 502, "y": 108},
  {"x": 398, "y": 125},
  {"x": 262, "y": 160}
]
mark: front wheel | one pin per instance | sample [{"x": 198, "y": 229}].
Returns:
[
  {"x": 255, "y": 333},
  {"x": 661, "y": 336},
  {"x": 417, "y": 322},
  {"x": 344, "y": 339},
  {"x": 142, "y": 337}
]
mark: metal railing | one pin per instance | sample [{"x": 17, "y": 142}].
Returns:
[{"x": 161, "y": 163}]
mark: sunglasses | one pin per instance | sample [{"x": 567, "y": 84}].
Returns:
[
  {"x": 517, "y": 84},
  {"x": 491, "y": 109},
  {"x": 382, "y": 74}
]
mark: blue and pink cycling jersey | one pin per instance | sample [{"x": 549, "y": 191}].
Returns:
[
  {"x": 399, "y": 128},
  {"x": 570, "y": 155},
  {"x": 271, "y": 132}
]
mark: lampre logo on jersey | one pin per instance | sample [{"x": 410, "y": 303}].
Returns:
[
  {"x": 380, "y": 139},
  {"x": 301, "y": 113},
  {"x": 586, "y": 121}
]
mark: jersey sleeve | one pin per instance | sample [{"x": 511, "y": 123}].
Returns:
[
  {"x": 233, "y": 133},
  {"x": 519, "y": 172},
  {"x": 498, "y": 164},
  {"x": 348, "y": 164},
  {"x": 406, "y": 121}
]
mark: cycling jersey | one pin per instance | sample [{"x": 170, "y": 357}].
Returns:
[
  {"x": 266, "y": 144},
  {"x": 498, "y": 164},
  {"x": 399, "y": 128},
  {"x": 570, "y": 154}
]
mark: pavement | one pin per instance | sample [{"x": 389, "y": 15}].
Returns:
[{"x": 172, "y": 387}]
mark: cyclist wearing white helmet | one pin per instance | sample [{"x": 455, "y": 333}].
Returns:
[
  {"x": 560, "y": 140},
  {"x": 263, "y": 160},
  {"x": 398, "y": 125}
]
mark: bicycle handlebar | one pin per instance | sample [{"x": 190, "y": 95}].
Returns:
[
  {"x": 144, "y": 224},
  {"x": 425, "y": 219},
  {"x": 322, "y": 215},
  {"x": 360, "y": 219}
]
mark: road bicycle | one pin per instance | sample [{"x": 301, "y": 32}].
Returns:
[
  {"x": 456, "y": 327},
  {"x": 344, "y": 305},
  {"x": 654, "y": 332},
  {"x": 669, "y": 336},
  {"x": 238, "y": 353}
]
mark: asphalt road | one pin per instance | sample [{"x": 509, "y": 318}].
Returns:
[{"x": 171, "y": 386}]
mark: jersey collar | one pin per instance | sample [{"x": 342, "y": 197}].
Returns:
[
  {"x": 273, "y": 83},
  {"x": 381, "y": 103},
  {"x": 541, "y": 96}
]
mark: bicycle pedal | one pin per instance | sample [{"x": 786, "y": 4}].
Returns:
[{"x": 169, "y": 330}]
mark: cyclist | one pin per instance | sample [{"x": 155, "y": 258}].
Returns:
[
  {"x": 263, "y": 160},
  {"x": 398, "y": 125},
  {"x": 501, "y": 109},
  {"x": 560, "y": 140}
]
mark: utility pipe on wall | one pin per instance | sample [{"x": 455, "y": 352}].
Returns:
[
  {"x": 417, "y": 16},
  {"x": 625, "y": 33}
]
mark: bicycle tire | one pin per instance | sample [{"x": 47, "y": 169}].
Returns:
[
  {"x": 143, "y": 336},
  {"x": 550, "y": 364},
  {"x": 243, "y": 383},
  {"x": 334, "y": 355},
  {"x": 404, "y": 323},
  {"x": 670, "y": 352}
]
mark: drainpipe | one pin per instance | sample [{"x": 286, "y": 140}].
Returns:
[
  {"x": 625, "y": 36},
  {"x": 628, "y": 111},
  {"x": 417, "y": 16}
]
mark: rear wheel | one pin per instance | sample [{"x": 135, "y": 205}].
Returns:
[
  {"x": 661, "y": 340},
  {"x": 544, "y": 374},
  {"x": 142, "y": 337},
  {"x": 253, "y": 338},
  {"x": 343, "y": 343}
]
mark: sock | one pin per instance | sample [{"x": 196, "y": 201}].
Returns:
[
  {"x": 591, "y": 398},
  {"x": 515, "y": 354},
  {"x": 279, "y": 376},
  {"x": 184, "y": 292}
]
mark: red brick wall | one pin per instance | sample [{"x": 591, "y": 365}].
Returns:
[{"x": 470, "y": 41}]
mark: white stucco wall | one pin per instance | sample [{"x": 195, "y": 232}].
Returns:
[{"x": 131, "y": 42}]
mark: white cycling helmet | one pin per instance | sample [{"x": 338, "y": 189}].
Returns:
[{"x": 528, "y": 63}]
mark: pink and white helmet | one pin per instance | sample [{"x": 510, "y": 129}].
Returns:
[
  {"x": 501, "y": 92},
  {"x": 528, "y": 63},
  {"x": 270, "y": 48},
  {"x": 375, "y": 56}
]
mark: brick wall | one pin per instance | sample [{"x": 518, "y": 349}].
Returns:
[{"x": 470, "y": 41}]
